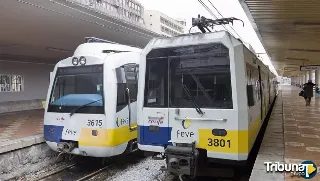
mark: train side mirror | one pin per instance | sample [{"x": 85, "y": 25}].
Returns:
[{"x": 250, "y": 95}]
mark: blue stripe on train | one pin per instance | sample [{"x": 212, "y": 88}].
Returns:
[
  {"x": 160, "y": 138},
  {"x": 52, "y": 133}
]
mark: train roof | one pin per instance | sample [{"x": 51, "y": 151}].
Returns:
[
  {"x": 198, "y": 38},
  {"x": 98, "y": 48},
  {"x": 192, "y": 39}
]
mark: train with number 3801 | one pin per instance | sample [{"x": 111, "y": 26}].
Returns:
[{"x": 202, "y": 99}]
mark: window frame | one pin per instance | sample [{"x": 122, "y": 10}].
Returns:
[
  {"x": 165, "y": 53},
  {"x": 122, "y": 79},
  {"x": 84, "y": 110},
  {"x": 12, "y": 81}
]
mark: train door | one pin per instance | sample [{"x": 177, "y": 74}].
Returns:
[
  {"x": 127, "y": 92},
  {"x": 261, "y": 92},
  {"x": 155, "y": 129}
]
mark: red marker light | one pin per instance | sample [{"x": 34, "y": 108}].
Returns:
[{"x": 99, "y": 68}]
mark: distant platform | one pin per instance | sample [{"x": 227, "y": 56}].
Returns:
[{"x": 20, "y": 129}]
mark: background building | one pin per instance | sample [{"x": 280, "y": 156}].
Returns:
[
  {"x": 27, "y": 60},
  {"x": 128, "y": 10},
  {"x": 163, "y": 24}
]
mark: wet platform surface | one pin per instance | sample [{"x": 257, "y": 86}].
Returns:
[
  {"x": 292, "y": 135},
  {"x": 19, "y": 127}
]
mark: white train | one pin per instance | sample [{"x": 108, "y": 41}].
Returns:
[
  {"x": 91, "y": 106},
  {"x": 203, "y": 98}
]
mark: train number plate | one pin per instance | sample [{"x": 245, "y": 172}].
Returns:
[
  {"x": 234, "y": 142},
  {"x": 216, "y": 142}
]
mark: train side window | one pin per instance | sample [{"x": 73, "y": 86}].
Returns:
[
  {"x": 131, "y": 71},
  {"x": 126, "y": 78},
  {"x": 250, "y": 95},
  {"x": 250, "y": 88},
  {"x": 253, "y": 85}
]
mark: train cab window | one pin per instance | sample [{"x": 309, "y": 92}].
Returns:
[
  {"x": 74, "y": 87},
  {"x": 197, "y": 73},
  {"x": 127, "y": 77}
]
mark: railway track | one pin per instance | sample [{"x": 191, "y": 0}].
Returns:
[{"x": 89, "y": 168}]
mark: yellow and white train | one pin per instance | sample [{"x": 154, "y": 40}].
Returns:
[
  {"x": 91, "y": 106},
  {"x": 201, "y": 96}
]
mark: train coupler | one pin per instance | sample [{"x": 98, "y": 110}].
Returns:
[
  {"x": 182, "y": 159},
  {"x": 160, "y": 156},
  {"x": 66, "y": 147}
]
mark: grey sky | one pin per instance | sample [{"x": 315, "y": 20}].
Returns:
[{"x": 228, "y": 8}]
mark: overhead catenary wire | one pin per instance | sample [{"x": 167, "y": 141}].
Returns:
[
  {"x": 223, "y": 17},
  {"x": 210, "y": 11}
]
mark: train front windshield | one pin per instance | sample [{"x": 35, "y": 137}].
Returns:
[
  {"x": 78, "y": 86},
  {"x": 181, "y": 77}
]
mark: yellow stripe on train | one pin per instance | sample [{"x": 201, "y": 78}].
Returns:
[
  {"x": 236, "y": 142},
  {"x": 106, "y": 137}
]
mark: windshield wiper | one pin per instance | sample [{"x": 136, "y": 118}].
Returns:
[
  {"x": 76, "y": 109},
  {"x": 205, "y": 93},
  {"x": 193, "y": 101}
]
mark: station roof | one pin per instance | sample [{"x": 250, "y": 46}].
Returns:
[
  {"x": 46, "y": 31},
  {"x": 289, "y": 30}
]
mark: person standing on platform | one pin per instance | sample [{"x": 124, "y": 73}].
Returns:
[{"x": 308, "y": 91}]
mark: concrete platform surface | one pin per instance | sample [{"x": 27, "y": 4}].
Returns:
[
  {"x": 20, "y": 129},
  {"x": 292, "y": 136}
]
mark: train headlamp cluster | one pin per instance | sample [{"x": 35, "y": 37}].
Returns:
[
  {"x": 82, "y": 60},
  {"x": 75, "y": 61}
]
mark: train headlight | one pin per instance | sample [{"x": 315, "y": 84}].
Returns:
[
  {"x": 82, "y": 60},
  {"x": 153, "y": 128},
  {"x": 75, "y": 61},
  {"x": 219, "y": 132}
]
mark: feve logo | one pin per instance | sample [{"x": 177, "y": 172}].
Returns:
[
  {"x": 186, "y": 123},
  {"x": 121, "y": 122}
]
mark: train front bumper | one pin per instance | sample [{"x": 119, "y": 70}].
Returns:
[{"x": 92, "y": 151}]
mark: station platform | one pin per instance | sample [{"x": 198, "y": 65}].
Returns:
[
  {"x": 292, "y": 135},
  {"x": 20, "y": 129}
]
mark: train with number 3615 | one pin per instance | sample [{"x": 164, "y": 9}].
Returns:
[{"x": 91, "y": 107}]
